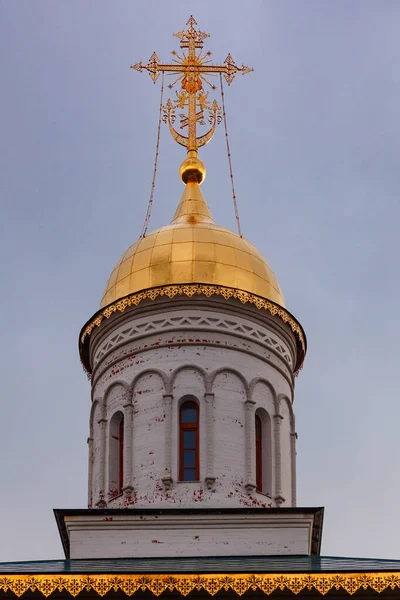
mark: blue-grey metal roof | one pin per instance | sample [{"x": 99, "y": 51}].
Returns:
[{"x": 194, "y": 565}]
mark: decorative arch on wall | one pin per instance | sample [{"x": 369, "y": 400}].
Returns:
[
  {"x": 189, "y": 367},
  {"x": 114, "y": 384},
  {"x": 116, "y": 454},
  {"x": 229, "y": 370},
  {"x": 109, "y": 397},
  {"x": 189, "y": 439},
  {"x": 270, "y": 387},
  {"x": 283, "y": 398},
  {"x": 163, "y": 376}
]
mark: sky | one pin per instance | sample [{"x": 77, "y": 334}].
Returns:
[{"x": 315, "y": 142}]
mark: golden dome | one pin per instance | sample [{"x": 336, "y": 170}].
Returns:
[{"x": 192, "y": 249}]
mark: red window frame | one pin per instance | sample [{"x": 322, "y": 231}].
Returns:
[
  {"x": 121, "y": 455},
  {"x": 259, "y": 477},
  {"x": 189, "y": 427}
]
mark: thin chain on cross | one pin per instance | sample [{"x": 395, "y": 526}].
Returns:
[{"x": 192, "y": 67}]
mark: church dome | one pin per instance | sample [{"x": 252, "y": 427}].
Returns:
[
  {"x": 192, "y": 249},
  {"x": 191, "y": 256}
]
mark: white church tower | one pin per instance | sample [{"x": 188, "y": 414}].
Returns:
[{"x": 192, "y": 358}]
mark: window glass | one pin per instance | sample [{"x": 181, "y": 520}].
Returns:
[
  {"x": 189, "y": 458},
  {"x": 189, "y": 438},
  {"x": 189, "y": 413},
  {"x": 259, "y": 482},
  {"x": 189, "y": 475},
  {"x": 189, "y": 441}
]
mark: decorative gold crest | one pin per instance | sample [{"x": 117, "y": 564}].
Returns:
[{"x": 192, "y": 68}]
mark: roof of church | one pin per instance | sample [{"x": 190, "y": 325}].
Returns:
[
  {"x": 244, "y": 575},
  {"x": 200, "y": 564}
]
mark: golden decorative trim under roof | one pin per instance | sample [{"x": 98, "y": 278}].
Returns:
[
  {"x": 210, "y": 583},
  {"x": 189, "y": 291}
]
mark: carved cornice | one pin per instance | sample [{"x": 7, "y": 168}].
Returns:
[
  {"x": 171, "y": 291},
  {"x": 210, "y": 583}
]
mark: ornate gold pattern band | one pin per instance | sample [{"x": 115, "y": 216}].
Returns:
[
  {"x": 190, "y": 290},
  {"x": 213, "y": 583}
]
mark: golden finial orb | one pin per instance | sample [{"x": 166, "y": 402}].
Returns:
[{"x": 192, "y": 170}]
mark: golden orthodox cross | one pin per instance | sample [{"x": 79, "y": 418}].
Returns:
[{"x": 192, "y": 67}]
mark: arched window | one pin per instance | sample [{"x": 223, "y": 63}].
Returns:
[
  {"x": 189, "y": 441},
  {"x": 116, "y": 455},
  {"x": 121, "y": 456},
  {"x": 259, "y": 467}
]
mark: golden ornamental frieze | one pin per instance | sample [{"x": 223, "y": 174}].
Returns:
[
  {"x": 190, "y": 290},
  {"x": 212, "y": 583}
]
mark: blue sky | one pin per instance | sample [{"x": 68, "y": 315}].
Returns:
[{"x": 315, "y": 140}]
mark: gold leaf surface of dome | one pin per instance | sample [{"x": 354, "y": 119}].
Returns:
[{"x": 192, "y": 249}]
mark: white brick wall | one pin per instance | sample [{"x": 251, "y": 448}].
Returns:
[
  {"x": 189, "y": 535},
  {"x": 144, "y": 363}
]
